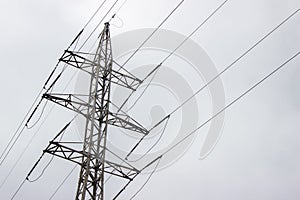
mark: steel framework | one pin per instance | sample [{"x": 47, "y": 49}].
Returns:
[{"x": 96, "y": 110}]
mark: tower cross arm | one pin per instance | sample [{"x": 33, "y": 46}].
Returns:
[
  {"x": 62, "y": 151},
  {"x": 65, "y": 152},
  {"x": 125, "y": 80},
  {"x": 71, "y": 101},
  {"x": 79, "y": 60},
  {"x": 123, "y": 120}
]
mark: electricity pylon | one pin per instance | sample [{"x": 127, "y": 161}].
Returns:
[{"x": 98, "y": 117}]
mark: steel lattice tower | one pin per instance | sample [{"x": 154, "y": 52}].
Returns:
[
  {"x": 92, "y": 168},
  {"x": 96, "y": 110}
]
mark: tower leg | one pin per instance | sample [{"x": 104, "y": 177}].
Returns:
[{"x": 91, "y": 178}]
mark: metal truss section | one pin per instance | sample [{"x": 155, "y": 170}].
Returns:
[
  {"x": 62, "y": 151},
  {"x": 95, "y": 108},
  {"x": 77, "y": 104},
  {"x": 70, "y": 101},
  {"x": 79, "y": 60},
  {"x": 91, "y": 178},
  {"x": 125, "y": 121},
  {"x": 125, "y": 80},
  {"x": 124, "y": 170}
]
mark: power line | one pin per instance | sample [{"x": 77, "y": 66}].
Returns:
[
  {"x": 211, "y": 118},
  {"x": 239, "y": 59},
  {"x": 20, "y": 130},
  {"x": 192, "y": 33},
  {"x": 155, "y": 30},
  {"x": 97, "y": 26},
  {"x": 234, "y": 101},
  {"x": 25, "y": 149},
  {"x": 20, "y": 133},
  {"x": 143, "y": 92},
  {"x": 148, "y": 179},
  {"x": 47, "y": 165},
  {"x": 236, "y": 60},
  {"x": 153, "y": 145},
  {"x": 63, "y": 182},
  {"x": 209, "y": 83},
  {"x": 18, "y": 190},
  {"x": 39, "y": 117},
  {"x": 47, "y": 90},
  {"x": 122, "y": 5},
  {"x": 95, "y": 13},
  {"x": 168, "y": 56},
  {"x": 156, "y": 70},
  {"x": 226, "y": 68},
  {"x": 219, "y": 74},
  {"x": 215, "y": 115},
  {"x": 31, "y": 139},
  {"x": 50, "y": 161}
]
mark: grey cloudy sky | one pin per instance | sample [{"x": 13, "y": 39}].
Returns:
[{"x": 257, "y": 156}]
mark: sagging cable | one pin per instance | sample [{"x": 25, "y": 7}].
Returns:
[
  {"x": 37, "y": 162},
  {"x": 154, "y": 144},
  {"x": 138, "y": 143},
  {"x": 154, "y": 72},
  {"x": 149, "y": 177}
]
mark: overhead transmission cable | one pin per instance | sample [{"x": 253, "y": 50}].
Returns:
[
  {"x": 281, "y": 66},
  {"x": 52, "y": 156},
  {"x": 154, "y": 71},
  {"x": 153, "y": 145},
  {"x": 17, "y": 134},
  {"x": 156, "y": 160},
  {"x": 238, "y": 98},
  {"x": 238, "y": 57},
  {"x": 122, "y": 5},
  {"x": 234, "y": 101},
  {"x": 236, "y": 60},
  {"x": 168, "y": 56},
  {"x": 216, "y": 114},
  {"x": 219, "y": 112},
  {"x": 35, "y": 165},
  {"x": 24, "y": 150},
  {"x": 47, "y": 81},
  {"x": 193, "y": 32},
  {"x": 64, "y": 180},
  {"x": 148, "y": 38},
  {"x": 213, "y": 79},
  {"x": 21, "y": 127},
  {"x": 155, "y": 30},
  {"x": 26, "y": 147},
  {"x": 224, "y": 70},
  {"x": 40, "y": 115},
  {"x": 115, "y": 14},
  {"x": 112, "y": 17},
  {"x": 142, "y": 93},
  {"x": 95, "y": 13},
  {"x": 148, "y": 179},
  {"x": 18, "y": 190},
  {"x": 44, "y": 87},
  {"x": 13, "y": 141},
  {"x": 97, "y": 26},
  {"x": 31, "y": 139}
]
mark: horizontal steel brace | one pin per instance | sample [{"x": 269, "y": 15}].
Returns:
[
  {"x": 115, "y": 119},
  {"x": 80, "y": 62},
  {"x": 73, "y": 155}
]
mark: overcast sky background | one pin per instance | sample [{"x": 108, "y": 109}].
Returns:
[{"x": 257, "y": 156}]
